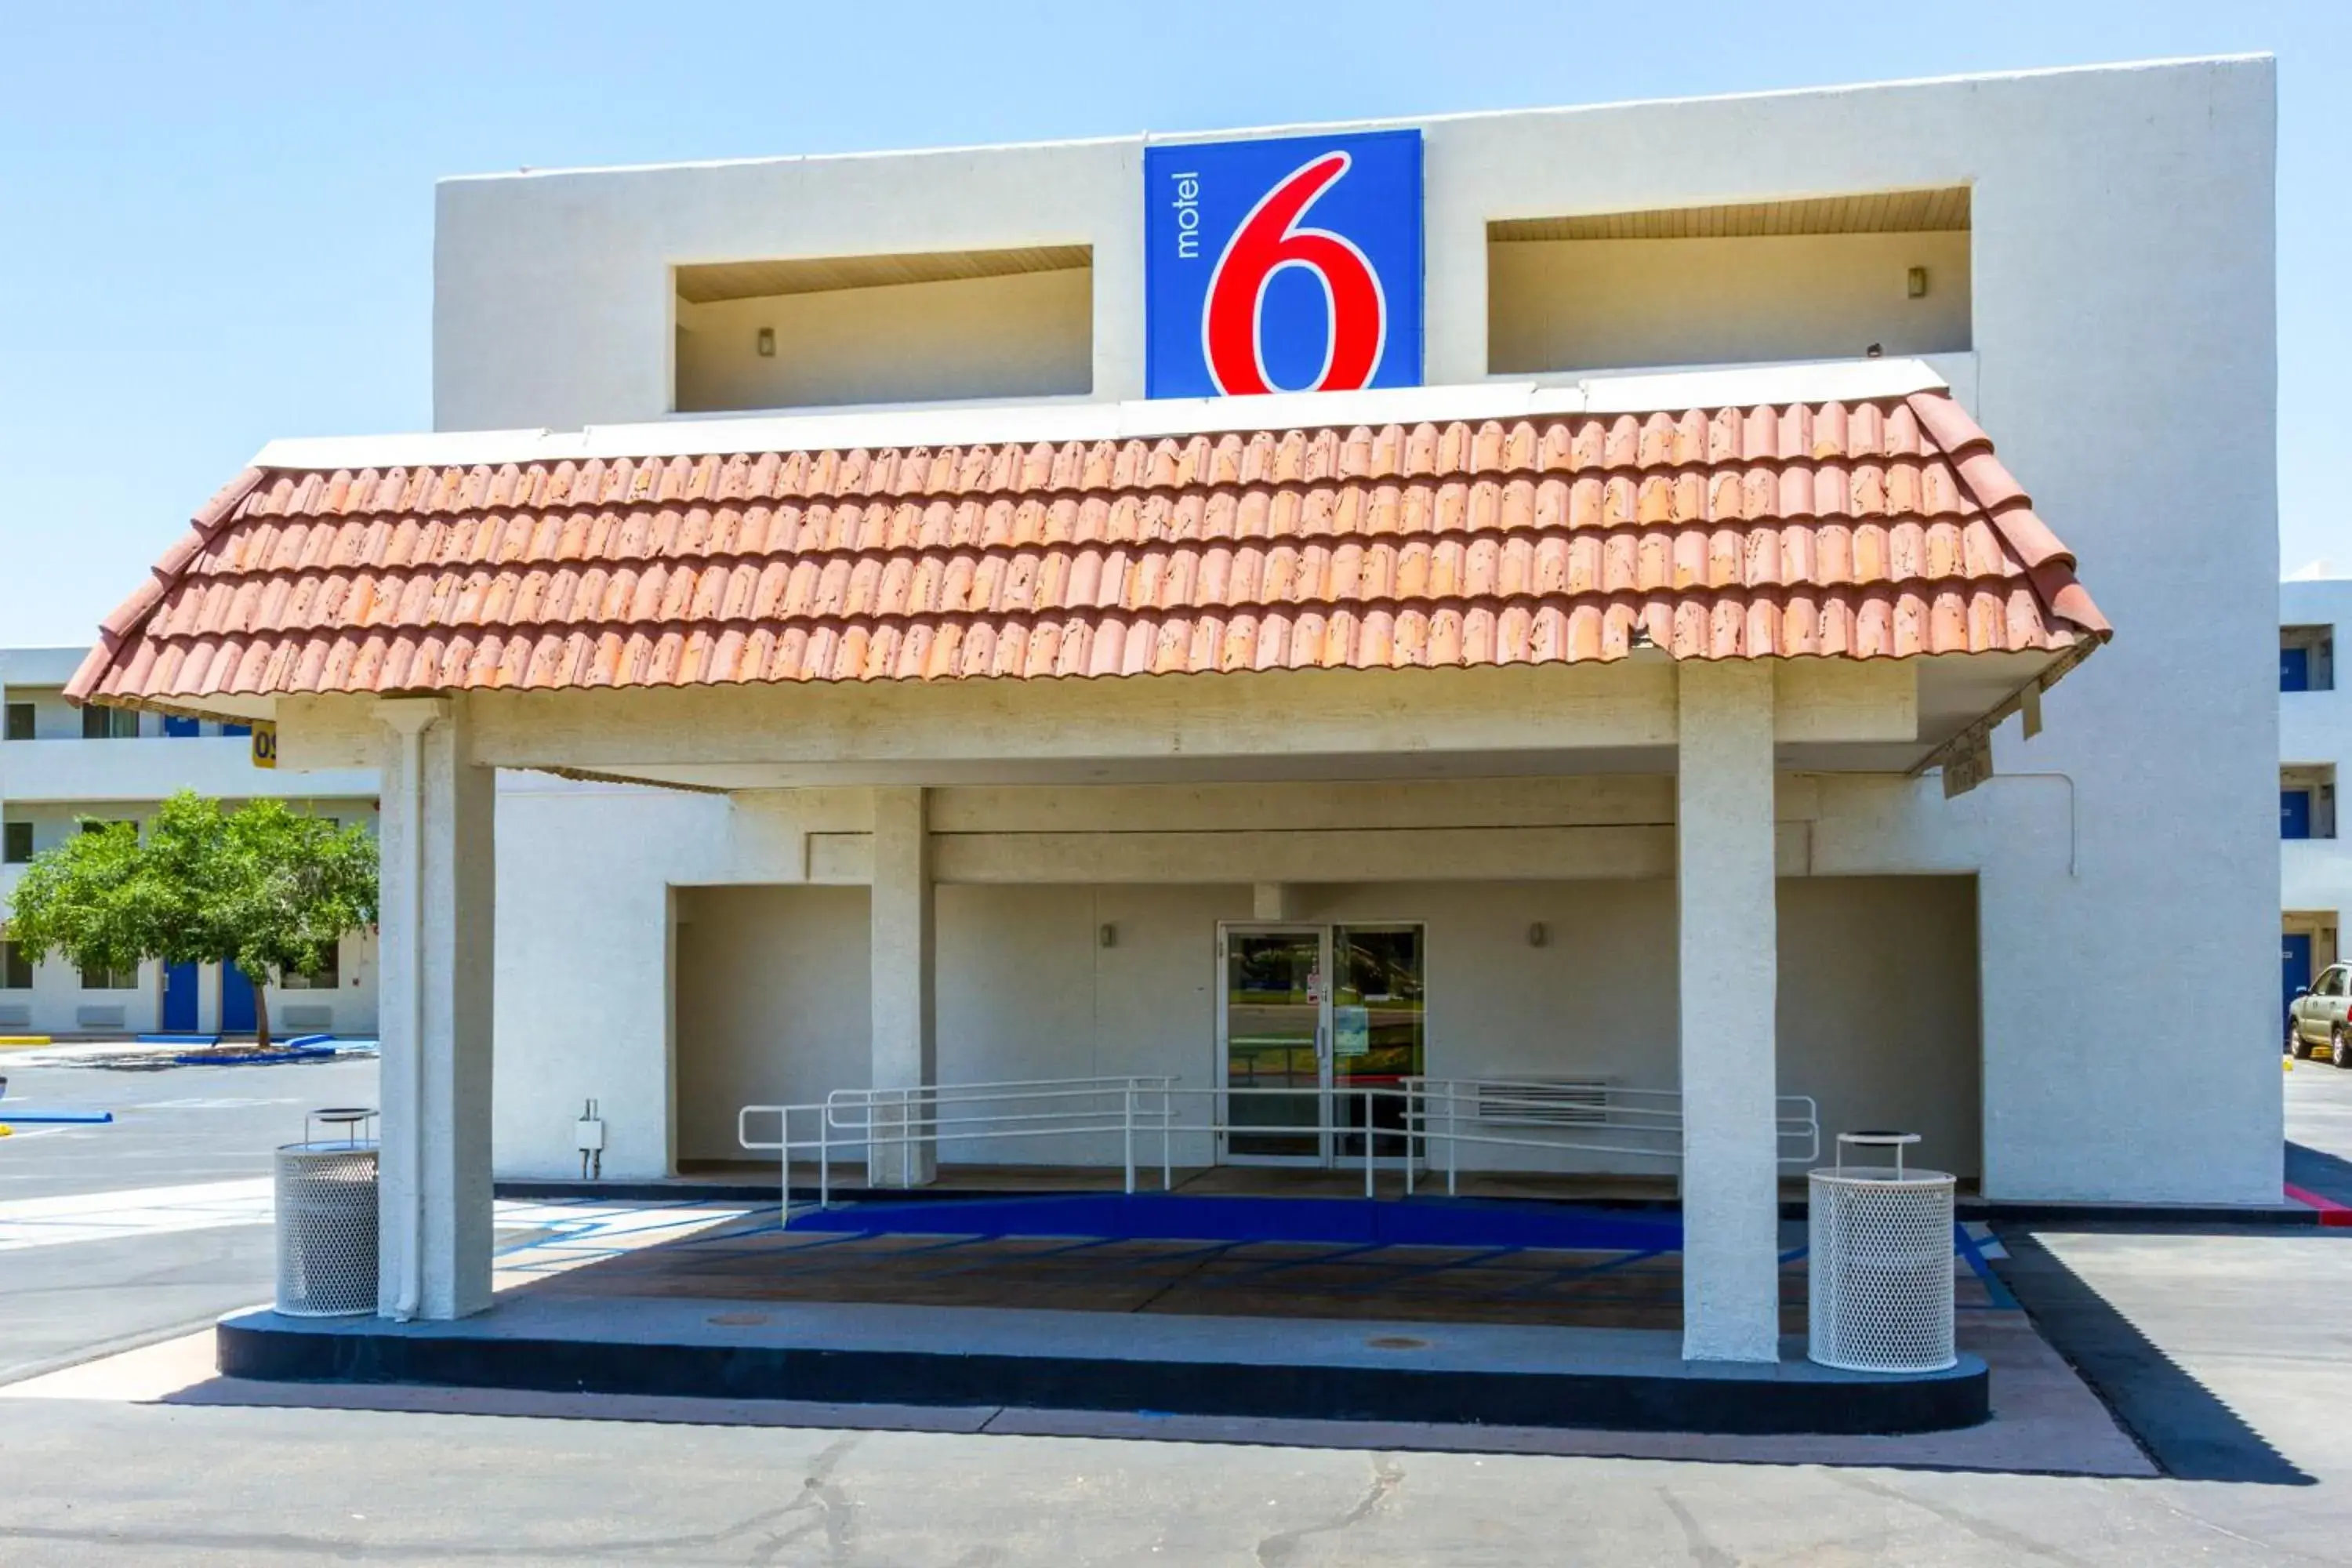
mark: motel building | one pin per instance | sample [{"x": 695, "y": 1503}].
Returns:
[
  {"x": 2314, "y": 748},
  {"x": 62, "y": 766},
  {"x": 1749, "y": 613}
]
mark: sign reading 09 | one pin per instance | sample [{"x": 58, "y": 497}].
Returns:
[{"x": 1282, "y": 266}]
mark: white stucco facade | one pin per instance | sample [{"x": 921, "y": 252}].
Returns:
[
  {"x": 2121, "y": 352},
  {"x": 1725, "y": 878},
  {"x": 53, "y": 775}
]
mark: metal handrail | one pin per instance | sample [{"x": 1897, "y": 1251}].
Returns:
[
  {"x": 1796, "y": 1119},
  {"x": 1430, "y": 1110},
  {"x": 915, "y": 1117}
]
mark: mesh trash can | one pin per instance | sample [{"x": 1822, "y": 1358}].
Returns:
[
  {"x": 1882, "y": 1262},
  {"x": 326, "y": 1221}
]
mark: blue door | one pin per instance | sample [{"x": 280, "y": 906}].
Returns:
[
  {"x": 179, "y": 998},
  {"x": 2295, "y": 669},
  {"x": 2295, "y": 963},
  {"x": 2294, "y": 814},
  {"x": 237, "y": 1001}
]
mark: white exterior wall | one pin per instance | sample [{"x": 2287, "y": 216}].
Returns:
[
  {"x": 57, "y": 777},
  {"x": 582, "y": 990},
  {"x": 1878, "y": 989},
  {"x": 2316, "y": 727},
  {"x": 2121, "y": 318}
]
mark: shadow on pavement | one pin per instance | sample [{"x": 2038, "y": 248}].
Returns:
[
  {"x": 2189, "y": 1434},
  {"x": 2316, "y": 1171}
]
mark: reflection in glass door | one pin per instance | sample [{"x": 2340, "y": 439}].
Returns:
[
  {"x": 1274, "y": 1039},
  {"x": 1321, "y": 1012},
  {"x": 1378, "y": 1038}
]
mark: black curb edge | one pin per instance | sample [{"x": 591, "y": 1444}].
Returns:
[{"x": 1746, "y": 1406}]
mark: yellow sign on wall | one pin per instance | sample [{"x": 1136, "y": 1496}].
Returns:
[{"x": 265, "y": 745}]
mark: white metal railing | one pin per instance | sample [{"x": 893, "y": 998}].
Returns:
[
  {"x": 906, "y": 1119},
  {"x": 1504, "y": 1113},
  {"x": 1645, "y": 1123}
]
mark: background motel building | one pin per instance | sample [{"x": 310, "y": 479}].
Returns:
[
  {"x": 1602, "y": 703},
  {"x": 58, "y": 766},
  {"x": 2314, "y": 748}
]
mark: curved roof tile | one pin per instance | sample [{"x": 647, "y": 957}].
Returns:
[{"x": 1873, "y": 529}]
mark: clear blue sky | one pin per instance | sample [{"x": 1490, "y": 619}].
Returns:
[{"x": 215, "y": 221}]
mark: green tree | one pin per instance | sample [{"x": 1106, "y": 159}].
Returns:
[{"x": 268, "y": 889}]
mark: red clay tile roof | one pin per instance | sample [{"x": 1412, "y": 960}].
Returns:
[{"x": 1863, "y": 530}]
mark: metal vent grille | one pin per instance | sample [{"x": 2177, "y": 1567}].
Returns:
[
  {"x": 309, "y": 1017},
  {"x": 17, "y": 1017},
  {"x": 1562, "y": 1102},
  {"x": 98, "y": 1018}
]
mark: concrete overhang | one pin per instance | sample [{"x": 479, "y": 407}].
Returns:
[{"x": 1831, "y": 716}]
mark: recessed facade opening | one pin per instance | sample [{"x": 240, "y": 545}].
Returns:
[
  {"x": 2307, "y": 659},
  {"x": 1823, "y": 277},
  {"x": 2307, "y": 801},
  {"x": 833, "y": 331}
]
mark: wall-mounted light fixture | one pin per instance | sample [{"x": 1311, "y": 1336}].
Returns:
[
  {"x": 1914, "y": 283},
  {"x": 1108, "y": 935},
  {"x": 767, "y": 343},
  {"x": 1537, "y": 935}
]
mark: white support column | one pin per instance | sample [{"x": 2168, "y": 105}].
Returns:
[
  {"x": 905, "y": 1047},
  {"x": 435, "y": 973},
  {"x": 1729, "y": 978}
]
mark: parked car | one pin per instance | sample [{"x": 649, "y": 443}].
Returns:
[{"x": 2316, "y": 1016}]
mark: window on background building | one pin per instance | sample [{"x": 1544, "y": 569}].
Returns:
[
  {"x": 15, "y": 843},
  {"x": 110, "y": 723},
  {"x": 99, "y": 825},
  {"x": 178, "y": 729},
  {"x": 2306, "y": 658},
  {"x": 20, "y": 722},
  {"x": 2307, "y": 802},
  {"x": 330, "y": 978},
  {"x": 16, "y": 968},
  {"x": 103, "y": 977}
]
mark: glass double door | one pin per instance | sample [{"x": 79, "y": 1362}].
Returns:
[{"x": 1311, "y": 1013}]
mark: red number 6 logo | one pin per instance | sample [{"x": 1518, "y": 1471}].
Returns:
[{"x": 1268, "y": 240}]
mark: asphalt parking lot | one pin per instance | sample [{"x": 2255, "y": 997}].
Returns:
[
  {"x": 2227, "y": 1355},
  {"x": 2319, "y": 1130},
  {"x": 174, "y": 1126}
]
